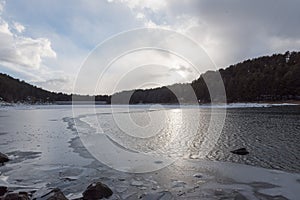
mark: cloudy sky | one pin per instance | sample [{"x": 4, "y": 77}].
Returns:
[{"x": 47, "y": 42}]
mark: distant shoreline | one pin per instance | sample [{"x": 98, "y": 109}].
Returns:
[{"x": 228, "y": 105}]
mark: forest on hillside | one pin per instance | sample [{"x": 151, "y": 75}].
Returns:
[
  {"x": 267, "y": 78},
  {"x": 13, "y": 90}
]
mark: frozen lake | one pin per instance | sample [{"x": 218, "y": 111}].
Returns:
[{"x": 45, "y": 149}]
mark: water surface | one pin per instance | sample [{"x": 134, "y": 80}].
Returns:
[{"x": 45, "y": 150}]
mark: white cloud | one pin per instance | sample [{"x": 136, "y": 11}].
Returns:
[
  {"x": 20, "y": 50},
  {"x": 4, "y": 29},
  {"x": 58, "y": 82},
  {"x": 25, "y": 55},
  {"x": 229, "y": 31},
  {"x": 140, "y": 15},
  {"x": 154, "y": 5},
  {"x": 156, "y": 14},
  {"x": 2, "y": 4},
  {"x": 18, "y": 27}
]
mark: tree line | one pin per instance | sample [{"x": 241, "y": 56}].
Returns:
[
  {"x": 267, "y": 78},
  {"x": 14, "y": 90}
]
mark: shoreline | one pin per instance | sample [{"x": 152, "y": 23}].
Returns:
[
  {"x": 231, "y": 104},
  {"x": 200, "y": 179}
]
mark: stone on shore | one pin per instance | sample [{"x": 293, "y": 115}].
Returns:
[
  {"x": 3, "y": 158},
  {"x": 49, "y": 194},
  {"x": 16, "y": 196},
  {"x": 3, "y": 190},
  {"x": 137, "y": 183},
  {"x": 97, "y": 190},
  {"x": 241, "y": 151}
]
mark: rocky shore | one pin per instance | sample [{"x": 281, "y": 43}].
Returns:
[
  {"x": 95, "y": 191},
  {"x": 129, "y": 188},
  {"x": 3, "y": 158}
]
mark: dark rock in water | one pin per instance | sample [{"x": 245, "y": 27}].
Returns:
[
  {"x": 49, "y": 194},
  {"x": 241, "y": 151},
  {"x": 97, "y": 191},
  {"x": 3, "y": 158},
  {"x": 198, "y": 175},
  {"x": 16, "y": 196},
  {"x": 3, "y": 190}
]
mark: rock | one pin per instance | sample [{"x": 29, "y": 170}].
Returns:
[
  {"x": 241, "y": 197},
  {"x": 137, "y": 183},
  {"x": 3, "y": 158},
  {"x": 49, "y": 194},
  {"x": 198, "y": 175},
  {"x": 241, "y": 151},
  {"x": 3, "y": 190},
  {"x": 97, "y": 190},
  {"x": 69, "y": 178},
  {"x": 164, "y": 195},
  {"x": 178, "y": 184},
  {"x": 16, "y": 196}
]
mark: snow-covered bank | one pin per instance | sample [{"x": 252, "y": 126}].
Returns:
[
  {"x": 256, "y": 105},
  {"x": 5, "y": 105}
]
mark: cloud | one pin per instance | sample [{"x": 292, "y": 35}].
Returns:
[
  {"x": 23, "y": 56},
  {"x": 232, "y": 31},
  {"x": 182, "y": 68},
  {"x": 18, "y": 27},
  {"x": 19, "y": 50},
  {"x": 2, "y": 4},
  {"x": 153, "y": 5},
  {"x": 64, "y": 83},
  {"x": 229, "y": 31},
  {"x": 156, "y": 14}
]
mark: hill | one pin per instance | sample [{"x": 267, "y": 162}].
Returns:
[
  {"x": 267, "y": 78},
  {"x": 13, "y": 90}
]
